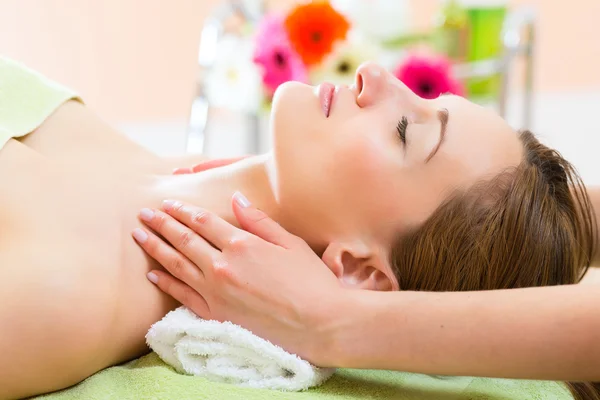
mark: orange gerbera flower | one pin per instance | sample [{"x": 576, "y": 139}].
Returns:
[{"x": 313, "y": 28}]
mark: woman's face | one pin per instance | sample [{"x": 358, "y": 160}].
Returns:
[{"x": 348, "y": 183}]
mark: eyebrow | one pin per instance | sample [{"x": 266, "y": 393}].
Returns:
[{"x": 443, "y": 116}]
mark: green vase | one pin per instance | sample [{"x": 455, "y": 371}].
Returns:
[{"x": 486, "y": 19}]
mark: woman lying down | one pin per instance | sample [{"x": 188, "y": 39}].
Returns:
[{"x": 393, "y": 191}]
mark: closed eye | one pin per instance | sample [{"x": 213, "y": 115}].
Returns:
[{"x": 401, "y": 128}]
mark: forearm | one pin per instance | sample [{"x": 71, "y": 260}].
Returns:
[{"x": 541, "y": 333}]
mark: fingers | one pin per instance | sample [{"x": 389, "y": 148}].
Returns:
[
  {"x": 182, "y": 171},
  {"x": 206, "y": 165},
  {"x": 165, "y": 255},
  {"x": 215, "y": 164},
  {"x": 258, "y": 223},
  {"x": 181, "y": 292},
  {"x": 206, "y": 224},
  {"x": 182, "y": 238}
]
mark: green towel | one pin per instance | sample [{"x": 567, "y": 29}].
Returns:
[
  {"x": 149, "y": 378},
  {"x": 27, "y": 98}
]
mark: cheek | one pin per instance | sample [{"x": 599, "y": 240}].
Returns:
[
  {"x": 366, "y": 157},
  {"x": 381, "y": 189},
  {"x": 367, "y": 170},
  {"x": 369, "y": 165}
]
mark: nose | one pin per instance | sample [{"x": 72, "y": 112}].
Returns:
[
  {"x": 371, "y": 83},
  {"x": 375, "y": 84}
]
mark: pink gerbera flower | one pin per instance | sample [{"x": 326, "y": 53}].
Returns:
[
  {"x": 429, "y": 76},
  {"x": 275, "y": 54}
]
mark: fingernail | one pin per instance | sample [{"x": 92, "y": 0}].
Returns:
[
  {"x": 146, "y": 214},
  {"x": 168, "y": 204},
  {"x": 152, "y": 277},
  {"x": 140, "y": 235},
  {"x": 241, "y": 200}
]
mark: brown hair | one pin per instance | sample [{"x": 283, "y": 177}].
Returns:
[{"x": 532, "y": 225}]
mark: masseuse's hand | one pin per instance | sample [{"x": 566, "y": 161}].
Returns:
[
  {"x": 260, "y": 277},
  {"x": 206, "y": 165}
]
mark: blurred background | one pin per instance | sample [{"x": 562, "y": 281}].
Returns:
[{"x": 135, "y": 62}]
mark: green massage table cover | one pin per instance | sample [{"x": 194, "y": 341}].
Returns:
[{"x": 149, "y": 378}]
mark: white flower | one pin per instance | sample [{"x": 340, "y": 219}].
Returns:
[
  {"x": 234, "y": 81},
  {"x": 379, "y": 19},
  {"x": 340, "y": 66}
]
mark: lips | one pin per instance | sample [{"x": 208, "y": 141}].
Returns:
[{"x": 326, "y": 93}]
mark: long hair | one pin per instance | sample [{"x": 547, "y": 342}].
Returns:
[{"x": 532, "y": 225}]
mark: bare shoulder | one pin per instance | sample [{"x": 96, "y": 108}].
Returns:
[{"x": 75, "y": 133}]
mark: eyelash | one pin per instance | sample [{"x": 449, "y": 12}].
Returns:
[{"x": 401, "y": 128}]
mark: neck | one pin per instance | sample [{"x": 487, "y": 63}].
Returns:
[{"x": 214, "y": 189}]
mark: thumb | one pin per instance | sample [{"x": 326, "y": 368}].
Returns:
[{"x": 255, "y": 221}]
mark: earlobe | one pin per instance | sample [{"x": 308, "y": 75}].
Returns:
[{"x": 359, "y": 267}]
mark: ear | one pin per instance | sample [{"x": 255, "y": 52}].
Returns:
[{"x": 358, "y": 266}]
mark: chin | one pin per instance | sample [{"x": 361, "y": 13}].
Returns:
[
  {"x": 290, "y": 96},
  {"x": 295, "y": 111}
]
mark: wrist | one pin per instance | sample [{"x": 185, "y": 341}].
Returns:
[
  {"x": 323, "y": 321},
  {"x": 340, "y": 324},
  {"x": 366, "y": 327}
]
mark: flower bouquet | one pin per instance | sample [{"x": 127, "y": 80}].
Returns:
[{"x": 320, "y": 41}]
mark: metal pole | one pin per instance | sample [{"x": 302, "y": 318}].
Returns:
[{"x": 529, "y": 77}]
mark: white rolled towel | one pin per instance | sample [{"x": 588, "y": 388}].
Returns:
[{"x": 225, "y": 352}]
